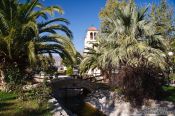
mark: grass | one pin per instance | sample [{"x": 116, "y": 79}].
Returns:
[
  {"x": 11, "y": 106},
  {"x": 7, "y": 96},
  {"x": 170, "y": 91}
]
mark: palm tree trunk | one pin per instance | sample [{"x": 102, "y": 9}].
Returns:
[
  {"x": 109, "y": 74},
  {"x": 2, "y": 80},
  {"x": 105, "y": 77},
  {"x": 2, "y": 76}
]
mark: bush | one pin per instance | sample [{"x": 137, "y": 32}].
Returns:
[
  {"x": 138, "y": 83},
  {"x": 51, "y": 70},
  {"x": 13, "y": 75},
  {"x": 41, "y": 93},
  {"x": 69, "y": 71}
]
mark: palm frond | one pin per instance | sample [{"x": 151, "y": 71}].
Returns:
[
  {"x": 52, "y": 9},
  {"x": 53, "y": 21},
  {"x": 59, "y": 27}
]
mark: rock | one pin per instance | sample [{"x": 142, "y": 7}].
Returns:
[
  {"x": 30, "y": 87},
  {"x": 112, "y": 104}
]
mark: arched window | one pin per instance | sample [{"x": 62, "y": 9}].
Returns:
[
  {"x": 94, "y": 35},
  {"x": 91, "y": 35}
]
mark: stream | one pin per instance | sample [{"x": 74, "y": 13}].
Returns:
[{"x": 73, "y": 100}]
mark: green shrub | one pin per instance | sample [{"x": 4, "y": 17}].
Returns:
[
  {"x": 170, "y": 93},
  {"x": 41, "y": 93},
  {"x": 172, "y": 76},
  {"x": 13, "y": 75},
  {"x": 69, "y": 71}
]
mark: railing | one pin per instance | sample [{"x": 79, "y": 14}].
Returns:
[{"x": 91, "y": 78}]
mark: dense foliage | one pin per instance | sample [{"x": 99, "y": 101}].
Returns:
[
  {"x": 138, "y": 83},
  {"x": 130, "y": 51},
  {"x": 69, "y": 71},
  {"x": 26, "y": 31},
  {"x": 46, "y": 64}
]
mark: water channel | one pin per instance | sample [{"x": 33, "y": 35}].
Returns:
[{"x": 73, "y": 100}]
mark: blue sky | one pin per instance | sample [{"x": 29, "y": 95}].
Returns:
[
  {"x": 84, "y": 13},
  {"x": 81, "y": 14}
]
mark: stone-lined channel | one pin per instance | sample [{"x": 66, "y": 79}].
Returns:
[{"x": 72, "y": 100}]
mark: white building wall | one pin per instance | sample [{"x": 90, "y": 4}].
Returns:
[
  {"x": 89, "y": 40},
  {"x": 88, "y": 44}
]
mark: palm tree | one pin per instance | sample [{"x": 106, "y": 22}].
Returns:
[
  {"x": 130, "y": 54},
  {"x": 26, "y": 31},
  {"x": 131, "y": 41}
]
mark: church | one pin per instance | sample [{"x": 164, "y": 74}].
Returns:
[{"x": 89, "y": 39}]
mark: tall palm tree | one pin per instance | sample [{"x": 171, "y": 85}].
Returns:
[
  {"x": 131, "y": 41},
  {"x": 26, "y": 31}
]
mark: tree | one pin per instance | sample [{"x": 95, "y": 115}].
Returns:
[
  {"x": 108, "y": 11},
  {"x": 131, "y": 32},
  {"x": 69, "y": 71},
  {"x": 163, "y": 17},
  {"x": 132, "y": 43},
  {"x": 45, "y": 63},
  {"x": 23, "y": 36},
  {"x": 66, "y": 62}
]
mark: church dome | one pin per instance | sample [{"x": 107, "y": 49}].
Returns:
[{"x": 92, "y": 29}]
